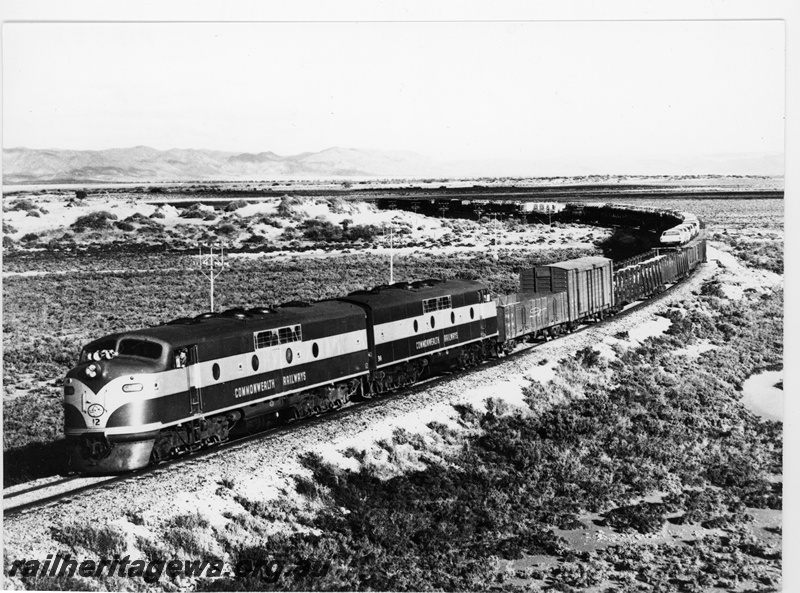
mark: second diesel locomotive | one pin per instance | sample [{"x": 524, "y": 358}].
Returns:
[{"x": 142, "y": 396}]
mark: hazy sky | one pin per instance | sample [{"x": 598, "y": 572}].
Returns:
[{"x": 448, "y": 90}]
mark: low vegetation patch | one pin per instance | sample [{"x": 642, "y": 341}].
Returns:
[
  {"x": 103, "y": 541},
  {"x": 95, "y": 220},
  {"x": 646, "y": 422}
]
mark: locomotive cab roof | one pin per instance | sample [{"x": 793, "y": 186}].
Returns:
[
  {"x": 415, "y": 292},
  {"x": 217, "y": 327}
]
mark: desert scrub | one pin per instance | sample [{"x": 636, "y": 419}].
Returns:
[
  {"x": 712, "y": 561},
  {"x": 645, "y": 517},
  {"x": 235, "y": 205},
  {"x": 102, "y": 541},
  {"x": 766, "y": 255},
  {"x": 649, "y": 423},
  {"x": 21, "y": 204}
]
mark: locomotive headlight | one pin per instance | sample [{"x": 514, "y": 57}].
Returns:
[
  {"x": 91, "y": 370},
  {"x": 132, "y": 387},
  {"x": 95, "y": 410}
]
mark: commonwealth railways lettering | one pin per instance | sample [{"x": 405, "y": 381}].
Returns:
[
  {"x": 294, "y": 378},
  {"x": 451, "y": 337},
  {"x": 422, "y": 344},
  {"x": 267, "y": 385}
]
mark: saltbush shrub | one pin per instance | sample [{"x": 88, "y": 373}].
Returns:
[
  {"x": 225, "y": 229},
  {"x": 254, "y": 238},
  {"x": 124, "y": 225},
  {"x": 23, "y": 204},
  {"x": 235, "y": 205},
  {"x": 103, "y": 540},
  {"x": 94, "y": 220}
]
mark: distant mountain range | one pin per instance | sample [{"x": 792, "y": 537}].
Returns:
[{"x": 145, "y": 164}]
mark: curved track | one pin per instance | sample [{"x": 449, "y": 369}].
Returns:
[{"x": 62, "y": 489}]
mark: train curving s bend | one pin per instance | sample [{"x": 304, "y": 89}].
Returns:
[{"x": 139, "y": 397}]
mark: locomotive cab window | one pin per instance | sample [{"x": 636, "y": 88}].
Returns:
[
  {"x": 105, "y": 349},
  {"x": 140, "y": 348}
]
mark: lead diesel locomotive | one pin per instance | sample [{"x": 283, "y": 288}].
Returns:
[{"x": 139, "y": 397}]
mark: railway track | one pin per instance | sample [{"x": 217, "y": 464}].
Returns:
[{"x": 63, "y": 489}]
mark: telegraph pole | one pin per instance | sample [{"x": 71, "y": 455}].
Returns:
[
  {"x": 443, "y": 208},
  {"x": 391, "y": 253},
  {"x": 415, "y": 207},
  {"x": 215, "y": 264}
]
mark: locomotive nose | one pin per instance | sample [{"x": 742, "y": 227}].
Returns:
[{"x": 87, "y": 398}]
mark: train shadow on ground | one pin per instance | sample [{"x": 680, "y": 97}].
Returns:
[{"x": 34, "y": 461}]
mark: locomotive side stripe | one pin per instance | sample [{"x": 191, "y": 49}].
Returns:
[
  {"x": 238, "y": 366},
  {"x": 429, "y": 352},
  {"x": 273, "y": 358},
  {"x": 163, "y": 402},
  {"x": 404, "y": 328}
]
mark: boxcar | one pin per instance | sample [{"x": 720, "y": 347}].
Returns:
[{"x": 588, "y": 282}]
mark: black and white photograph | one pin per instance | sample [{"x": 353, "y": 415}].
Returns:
[{"x": 394, "y": 300}]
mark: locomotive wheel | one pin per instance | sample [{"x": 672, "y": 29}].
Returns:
[{"x": 155, "y": 456}]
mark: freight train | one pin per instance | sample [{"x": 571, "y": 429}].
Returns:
[{"x": 139, "y": 397}]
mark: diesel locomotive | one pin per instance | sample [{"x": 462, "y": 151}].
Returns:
[
  {"x": 139, "y": 397},
  {"x": 142, "y": 396}
]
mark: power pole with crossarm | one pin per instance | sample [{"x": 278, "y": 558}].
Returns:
[{"x": 211, "y": 266}]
